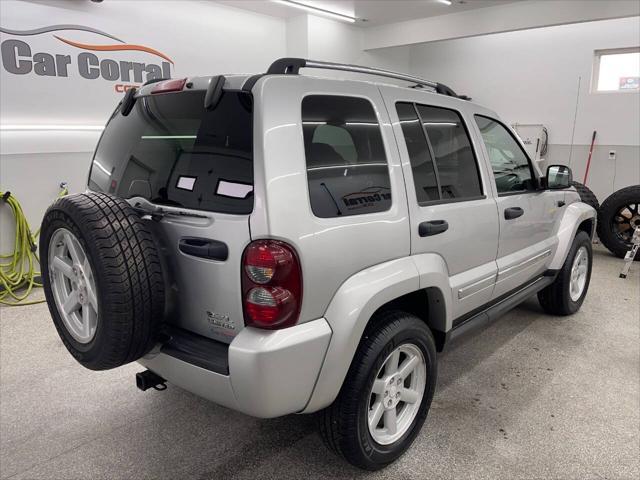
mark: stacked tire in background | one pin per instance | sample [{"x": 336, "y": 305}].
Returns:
[{"x": 618, "y": 217}]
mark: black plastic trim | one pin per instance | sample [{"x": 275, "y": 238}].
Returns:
[
  {"x": 433, "y": 227},
  {"x": 451, "y": 200},
  {"x": 287, "y": 65},
  {"x": 498, "y": 307},
  {"x": 513, "y": 212},
  {"x": 197, "y": 350},
  {"x": 204, "y": 248},
  {"x": 128, "y": 101},
  {"x": 214, "y": 92},
  {"x": 251, "y": 81}
]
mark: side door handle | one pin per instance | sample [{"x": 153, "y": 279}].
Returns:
[
  {"x": 204, "y": 248},
  {"x": 513, "y": 212},
  {"x": 434, "y": 227}
]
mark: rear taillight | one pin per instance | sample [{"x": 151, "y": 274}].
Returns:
[{"x": 271, "y": 284}]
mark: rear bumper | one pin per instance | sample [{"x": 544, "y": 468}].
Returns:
[{"x": 271, "y": 373}]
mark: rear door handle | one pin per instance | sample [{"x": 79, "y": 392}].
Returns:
[
  {"x": 513, "y": 212},
  {"x": 204, "y": 248},
  {"x": 434, "y": 227}
]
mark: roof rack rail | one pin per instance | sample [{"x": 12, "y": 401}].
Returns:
[{"x": 293, "y": 65}]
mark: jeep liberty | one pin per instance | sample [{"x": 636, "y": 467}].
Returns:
[{"x": 281, "y": 243}]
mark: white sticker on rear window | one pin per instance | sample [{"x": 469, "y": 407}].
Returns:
[
  {"x": 233, "y": 189},
  {"x": 186, "y": 183}
]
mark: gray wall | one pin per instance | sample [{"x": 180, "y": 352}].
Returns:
[{"x": 605, "y": 176}]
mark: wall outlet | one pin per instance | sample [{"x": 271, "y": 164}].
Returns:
[{"x": 612, "y": 154}]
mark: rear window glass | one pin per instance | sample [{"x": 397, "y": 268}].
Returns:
[
  {"x": 172, "y": 151},
  {"x": 346, "y": 163}
]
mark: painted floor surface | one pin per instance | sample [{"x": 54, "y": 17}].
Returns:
[{"x": 532, "y": 396}]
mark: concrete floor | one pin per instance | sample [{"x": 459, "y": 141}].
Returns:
[{"x": 530, "y": 397}]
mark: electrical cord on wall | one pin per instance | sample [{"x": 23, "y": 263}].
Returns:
[{"x": 19, "y": 270}]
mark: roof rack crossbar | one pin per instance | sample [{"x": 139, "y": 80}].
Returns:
[{"x": 293, "y": 65}]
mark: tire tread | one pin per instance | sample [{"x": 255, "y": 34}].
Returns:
[
  {"x": 123, "y": 253},
  {"x": 337, "y": 423}
]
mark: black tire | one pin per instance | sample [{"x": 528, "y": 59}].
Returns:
[
  {"x": 343, "y": 425},
  {"x": 619, "y": 243},
  {"x": 127, "y": 271},
  {"x": 555, "y": 298},
  {"x": 586, "y": 195}
]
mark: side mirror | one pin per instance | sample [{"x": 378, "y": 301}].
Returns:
[{"x": 558, "y": 177}]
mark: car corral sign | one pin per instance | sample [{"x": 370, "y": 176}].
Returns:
[{"x": 19, "y": 58}]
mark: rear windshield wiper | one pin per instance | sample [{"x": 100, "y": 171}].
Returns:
[{"x": 157, "y": 213}]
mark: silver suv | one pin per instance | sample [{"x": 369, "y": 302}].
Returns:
[{"x": 282, "y": 244}]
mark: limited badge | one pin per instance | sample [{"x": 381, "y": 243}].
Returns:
[{"x": 220, "y": 320}]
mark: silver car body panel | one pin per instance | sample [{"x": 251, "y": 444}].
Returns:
[
  {"x": 353, "y": 265},
  {"x": 271, "y": 372},
  {"x": 331, "y": 249},
  {"x": 575, "y": 213}
]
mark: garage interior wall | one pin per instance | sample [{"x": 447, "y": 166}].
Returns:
[{"x": 531, "y": 76}]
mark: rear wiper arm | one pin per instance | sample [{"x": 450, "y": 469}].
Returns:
[{"x": 157, "y": 213}]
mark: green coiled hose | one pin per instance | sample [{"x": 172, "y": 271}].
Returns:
[{"x": 19, "y": 270}]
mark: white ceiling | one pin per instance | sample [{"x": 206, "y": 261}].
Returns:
[{"x": 375, "y": 12}]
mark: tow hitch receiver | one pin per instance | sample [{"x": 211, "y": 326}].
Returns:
[{"x": 147, "y": 379}]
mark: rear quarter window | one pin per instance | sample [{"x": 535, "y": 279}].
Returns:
[{"x": 347, "y": 168}]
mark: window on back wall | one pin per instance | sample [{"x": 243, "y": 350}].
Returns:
[{"x": 616, "y": 70}]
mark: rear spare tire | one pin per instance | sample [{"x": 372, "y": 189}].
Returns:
[
  {"x": 586, "y": 195},
  {"x": 618, "y": 218},
  {"x": 102, "y": 279}
]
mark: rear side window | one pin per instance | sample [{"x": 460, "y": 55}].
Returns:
[
  {"x": 347, "y": 167},
  {"x": 442, "y": 160},
  {"x": 457, "y": 167},
  {"x": 422, "y": 167},
  {"x": 172, "y": 151}
]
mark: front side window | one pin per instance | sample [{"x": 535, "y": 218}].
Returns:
[
  {"x": 442, "y": 161},
  {"x": 347, "y": 169},
  {"x": 511, "y": 168}
]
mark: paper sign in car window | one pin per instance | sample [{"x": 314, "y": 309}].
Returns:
[
  {"x": 186, "y": 183},
  {"x": 233, "y": 189}
]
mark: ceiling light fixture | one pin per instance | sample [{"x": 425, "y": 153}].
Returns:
[
  {"x": 96, "y": 128},
  {"x": 446, "y": 2},
  {"x": 317, "y": 10}
]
